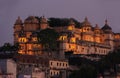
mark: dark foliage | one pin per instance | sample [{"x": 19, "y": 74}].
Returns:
[
  {"x": 8, "y": 50},
  {"x": 85, "y": 71},
  {"x": 48, "y": 38},
  {"x": 8, "y": 47},
  {"x": 53, "y": 22},
  {"x": 56, "y": 22},
  {"x": 108, "y": 62}
]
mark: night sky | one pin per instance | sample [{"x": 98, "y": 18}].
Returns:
[{"x": 96, "y": 11}]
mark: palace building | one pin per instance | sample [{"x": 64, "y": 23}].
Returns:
[{"x": 85, "y": 39}]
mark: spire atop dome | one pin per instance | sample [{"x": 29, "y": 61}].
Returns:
[
  {"x": 106, "y": 22},
  {"x": 86, "y": 19},
  {"x": 96, "y": 25},
  {"x": 19, "y": 17}
]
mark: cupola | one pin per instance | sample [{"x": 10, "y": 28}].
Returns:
[
  {"x": 43, "y": 20},
  {"x": 43, "y": 23},
  {"x": 71, "y": 25},
  {"x": 71, "y": 22},
  {"x": 31, "y": 19},
  {"x": 18, "y": 26},
  {"x": 86, "y": 22},
  {"x": 86, "y": 26},
  {"x": 18, "y": 21}
]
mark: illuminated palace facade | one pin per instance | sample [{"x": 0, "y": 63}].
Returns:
[{"x": 86, "y": 39}]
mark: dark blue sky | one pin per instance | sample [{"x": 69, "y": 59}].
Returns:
[{"x": 96, "y": 11}]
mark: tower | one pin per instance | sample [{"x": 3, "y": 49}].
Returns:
[
  {"x": 97, "y": 34},
  {"x": 108, "y": 35},
  {"x": 67, "y": 39},
  {"x": 18, "y": 27},
  {"x": 62, "y": 45},
  {"x": 86, "y": 30}
]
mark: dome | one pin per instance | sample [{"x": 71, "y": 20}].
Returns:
[
  {"x": 71, "y": 22},
  {"x": 43, "y": 20},
  {"x": 18, "y": 21},
  {"x": 86, "y": 22},
  {"x": 106, "y": 26},
  {"x": 31, "y": 19}
]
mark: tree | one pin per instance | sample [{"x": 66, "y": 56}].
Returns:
[
  {"x": 78, "y": 24},
  {"x": 8, "y": 50},
  {"x": 48, "y": 38},
  {"x": 9, "y": 47},
  {"x": 111, "y": 58},
  {"x": 85, "y": 71},
  {"x": 109, "y": 61},
  {"x": 53, "y": 22}
]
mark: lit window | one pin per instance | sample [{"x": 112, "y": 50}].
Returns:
[
  {"x": 51, "y": 73},
  {"x": 69, "y": 46},
  {"x": 82, "y": 50},
  {"x": 57, "y": 73},
  {"x": 87, "y": 29},
  {"x": 63, "y": 38},
  {"x": 73, "y": 40},
  {"x": 22, "y": 40},
  {"x": 60, "y": 64},
  {"x": 66, "y": 65},
  {"x": 70, "y": 27},
  {"x": 34, "y": 39},
  {"x": 57, "y": 64},
  {"x": 51, "y": 63}
]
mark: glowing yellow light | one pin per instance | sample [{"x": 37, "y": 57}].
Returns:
[
  {"x": 63, "y": 38},
  {"x": 21, "y": 52},
  {"x": 72, "y": 47},
  {"x": 73, "y": 40},
  {"x": 30, "y": 53},
  {"x": 70, "y": 27},
  {"x": 34, "y": 39},
  {"x": 97, "y": 39},
  {"x": 22, "y": 39}
]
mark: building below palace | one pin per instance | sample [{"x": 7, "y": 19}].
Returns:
[{"x": 85, "y": 39}]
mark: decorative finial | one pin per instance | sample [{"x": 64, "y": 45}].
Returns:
[
  {"x": 96, "y": 25},
  {"x": 86, "y": 19},
  {"x": 18, "y": 17},
  {"x": 43, "y": 16},
  {"x": 106, "y": 22}
]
